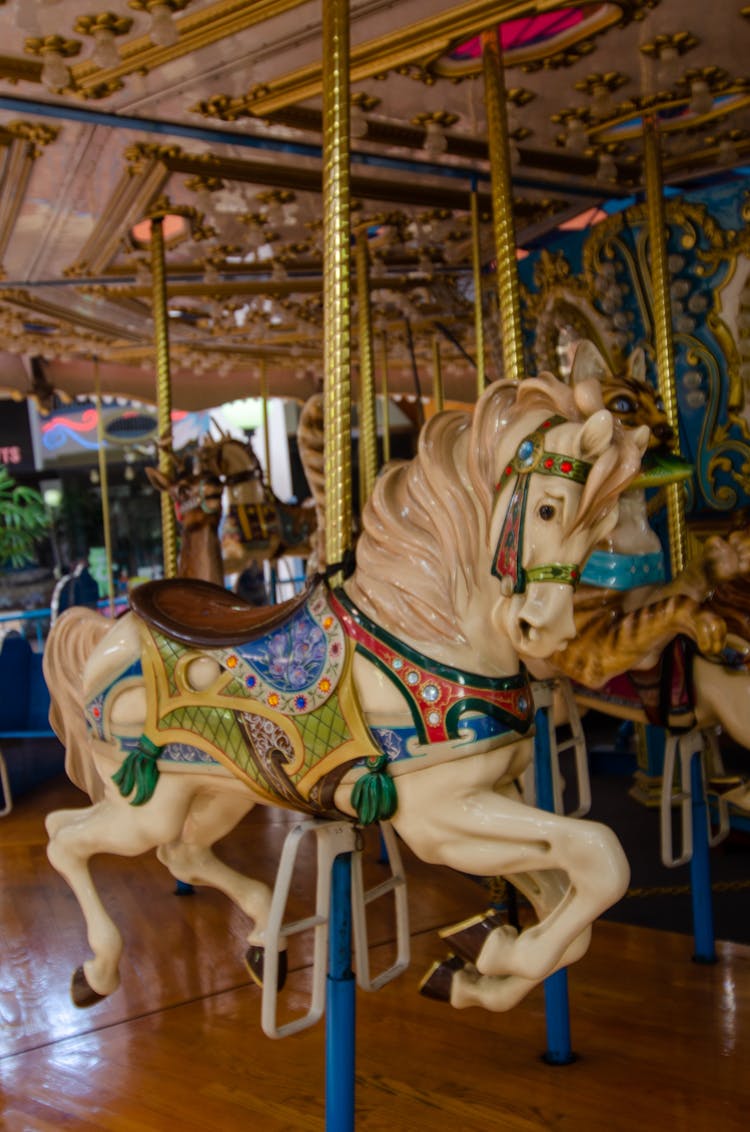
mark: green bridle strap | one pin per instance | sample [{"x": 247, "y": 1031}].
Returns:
[{"x": 532, "y": 457}]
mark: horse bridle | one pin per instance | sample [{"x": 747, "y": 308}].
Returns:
[{"x": 531, "y": 457}]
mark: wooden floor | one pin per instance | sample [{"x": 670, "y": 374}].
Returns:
[{"x": 663, "y": 1043}]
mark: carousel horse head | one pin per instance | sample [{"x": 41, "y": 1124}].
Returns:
[
  {"x": 496, "y": 516},
  {"x": 193, "y": 484}
]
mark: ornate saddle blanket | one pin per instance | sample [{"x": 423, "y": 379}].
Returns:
[{"x": 269, "y": 694}]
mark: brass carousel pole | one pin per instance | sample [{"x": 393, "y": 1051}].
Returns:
[
  {"x": 336, "y": 281},
  {"x": 386, "y": 403},
  {"x": 437, "y": 377},
  {"x": 266, "y": 437},
  {"x": 559, "y": 1049},
  {"x": 658, "y": 235},
  {"x": 502, "y": 207},
  {"x": 104, "y": 485},
  {"x": 368, "y": 426},
  {"x": 477, "y": 273},
  {"x": 163, "y": 389}
]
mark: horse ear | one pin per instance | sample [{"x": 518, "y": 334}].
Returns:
[
  {"x": 637, "y": 365},
  {"x": 157, "y": 479},
  {"x": 596, "y": 434},
  {"x": 588, "y": 363}
]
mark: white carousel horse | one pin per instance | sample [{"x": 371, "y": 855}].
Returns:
[{"x": 398, "y": 696}]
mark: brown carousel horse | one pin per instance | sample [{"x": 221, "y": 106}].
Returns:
[
  {"x": 257, "y": 524},
  {"x": 195, "y": 488},
  {"x": 398, "y": 697}
]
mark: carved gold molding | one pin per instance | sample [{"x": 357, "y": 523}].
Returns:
[
  {"x": 25, "y": 142},
  {"x": 143, "y": 180},
  {"x": 398, "y": 50}
]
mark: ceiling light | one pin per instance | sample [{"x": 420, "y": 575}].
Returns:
[
  {"x": 435, "y": 141},
  {"x": 577, "y": 138},
  {"x": 701, "y": 99},
  {"x": 55, "y": 74},
  {"x": 727, "y": 152},
  {"x": 105, "y": 53},
  {"x": 606, "y": 169},
  {"x": 358, "y": 123},
  {"x": 163, "y": 31}
]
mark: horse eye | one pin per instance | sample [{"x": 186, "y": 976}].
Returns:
[{"x": 546, "y": 512}]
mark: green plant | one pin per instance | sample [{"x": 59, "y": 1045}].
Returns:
[{"x": 23, "y": 520}]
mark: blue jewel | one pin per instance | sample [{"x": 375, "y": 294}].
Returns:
[{"x": 525, "y": 450}]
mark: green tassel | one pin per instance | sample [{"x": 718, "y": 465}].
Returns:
[
  {"x": 139, "y": 772},
  {"x": 374, "y": 795}
]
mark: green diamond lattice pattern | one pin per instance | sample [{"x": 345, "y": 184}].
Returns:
[
  {"x": 321, "y": 731},
  {"x": 218, "y": 726}
]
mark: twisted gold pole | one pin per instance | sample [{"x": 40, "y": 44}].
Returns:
[
  {"x": 163, "y": 391},
  {"x": 336, "y": 281},
  {"x": 386, "y": 402},
  {"x": 104, "y": 485},
  {"x": 658, "y": 234},
  {"x": 502, "y": 207},
  {"x": 437, "y": 377},
  {"x": 477, "y": 272},
  {"x": 368, "y": 426},
  {"x": 266, "y": 437}
]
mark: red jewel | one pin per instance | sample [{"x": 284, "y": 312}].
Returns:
[
  {"x": 566, "y": 467},
  {"x": 508, "y": 470},
  {"x": 546, "y": 424},
  {"x": 549, "y": 462}
]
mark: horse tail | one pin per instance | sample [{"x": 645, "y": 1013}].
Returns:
[
  {"x": 70, "y": 643},
  {"x": 310, "y": 444}
]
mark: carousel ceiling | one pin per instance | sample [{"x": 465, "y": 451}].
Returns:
[{"x": 210, "y": 110}]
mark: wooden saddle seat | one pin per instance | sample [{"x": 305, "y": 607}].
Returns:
[{"x": 208, "y": 616}]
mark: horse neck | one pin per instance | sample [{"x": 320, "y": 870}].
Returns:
[
  {"x": 633, "y": 533},
  {"x": 200, "y": 550}
]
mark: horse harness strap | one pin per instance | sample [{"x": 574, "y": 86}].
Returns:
[
  {"x": 532, "y": 457},
  {"x": 438, "y": 696}
]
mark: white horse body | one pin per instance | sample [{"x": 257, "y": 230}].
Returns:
[{"x": 433, "y": 597}]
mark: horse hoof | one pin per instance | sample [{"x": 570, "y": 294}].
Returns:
[
  {"x": 438, "y": 981},
  {"x": 468, "y": 938},
  {"x": 254, "y": 959},
  {"x": 81, "y": 992}
]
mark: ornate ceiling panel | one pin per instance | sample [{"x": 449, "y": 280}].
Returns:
[{"x": 212, "y": 110}]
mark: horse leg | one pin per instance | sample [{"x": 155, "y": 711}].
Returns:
[
  {"x": 190, "y": 858},
  {"x": 109, "y": 826},
  {"x": 451, "y": 815}
]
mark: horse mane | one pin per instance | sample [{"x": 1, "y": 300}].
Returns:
[{"x": 427, "y": 517}]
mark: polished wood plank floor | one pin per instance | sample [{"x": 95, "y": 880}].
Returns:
[{"x": 663, "y": 1043}]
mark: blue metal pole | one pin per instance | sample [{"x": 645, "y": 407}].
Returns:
[
  {"x": 700, "y": 868},
  {"x": 559, "y": 1050},
  {"x": 340, "y": 1002}
]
